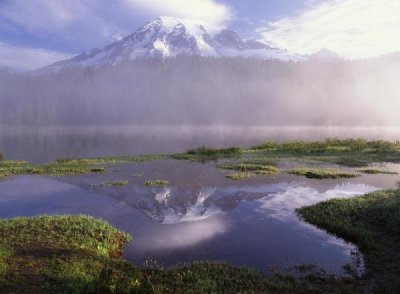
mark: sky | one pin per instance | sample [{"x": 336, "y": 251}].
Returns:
[{"x": 34, "y": 33}]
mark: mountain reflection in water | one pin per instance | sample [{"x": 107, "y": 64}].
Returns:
[{"x": 243, "y": 224}]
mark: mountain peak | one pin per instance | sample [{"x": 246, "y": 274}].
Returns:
[{"x": 167, "y": 36}]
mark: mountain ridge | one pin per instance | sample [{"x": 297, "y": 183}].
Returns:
[{"x": 165, "y": 37}]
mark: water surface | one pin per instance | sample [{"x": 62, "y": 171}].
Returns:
[
  {"x": 201, "y": 215},
  {"x": 49, "y": 143}
]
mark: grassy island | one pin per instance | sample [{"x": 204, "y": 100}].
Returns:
[
  {"x": 265, "y": 158},
  {"x": 67, "y": 166},
  {"x": 321, "y": 173}
]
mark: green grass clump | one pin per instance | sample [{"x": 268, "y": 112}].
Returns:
[
  {"x": 6, "y": 164},
  {"x": 321, "y": 173},
  {"x": 58, "y": 169},
  {"x": 205, "y": 153},
  {"x": 63, "y": 254},
  {"x": 332, "y": 145},
  {"x": 240, "y": 176},
  {"x": 3, "y": 175},
  {"x": 259, "y": 160},
  {"x": 348, "y": 152},
  {"x": 372, "y": 222},
  {"x": 352, "y": 160},
  {"x": 98, "y": 236},
  {"x": 253, "y": 168},
  {"x": 112, "y": 184},
  {"x": 9, "y": 168},
  {"x": 158, "y": 182},
  {"x": 69, "y": 166},
  {"x": 212, "y": 277},
  {"x": 373, "y": 171},
  {"x": 111, "y": 159}
]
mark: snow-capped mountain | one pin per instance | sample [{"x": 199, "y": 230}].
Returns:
[{"x": 170, "y": 37}]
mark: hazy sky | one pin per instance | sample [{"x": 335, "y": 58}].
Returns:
[{"x": 37, "y": 32}]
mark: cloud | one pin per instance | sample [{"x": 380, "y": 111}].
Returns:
[
  {"x": 91, "y": 23},
  {"x": 19, "y": 58},
  {"x": 78, "y": 25},
  {"x": 69, "y": 21},
  {"x": 206, "y": 10},
  {"x": 352, "y": 28}
]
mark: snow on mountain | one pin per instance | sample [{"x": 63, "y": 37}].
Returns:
[{"x": 169, "y": 37}]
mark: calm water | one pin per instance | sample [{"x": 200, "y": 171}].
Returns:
[
  {"x": 46, "y": 144},
  {"x": 201, "y": 215}
]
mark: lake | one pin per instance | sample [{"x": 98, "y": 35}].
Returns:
[
  {"x": 49, "y": 143},
  {"x": 201, "y": 215}
]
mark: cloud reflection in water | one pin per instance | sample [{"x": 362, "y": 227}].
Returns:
[
  {"x": 181, "y": 235},
  {"x": 281, "y": 206}
]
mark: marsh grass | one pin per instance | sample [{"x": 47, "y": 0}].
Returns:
[
  {"x": 213, "y": 277},
  {"x": 253, "y": 168},
  {"x": 332, "y": 145},
  {"x": 158, "y": 182},
  {"x": 259, "y": 160},
  {"x": 373, "y": 171},
  {"x": 349, "y": 152},
  {"x": 99, "y": 236},
  {"x": 119, "y": 183},
  {"x": 240, "y": 176},
  {"x": 68, "y": 166},
  {"x": 64, "y": 254},
  {"x": 321, "y": 173},
  {"x": 9, "y": 168},
  {"x": 110, "y": 160},
  {"x": 206, "y": 153},
  {"x": 356, "y": 153},
  {"x": 372, "y": 222}
]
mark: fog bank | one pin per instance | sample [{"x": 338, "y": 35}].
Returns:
[{"x": 208, "y": 91}]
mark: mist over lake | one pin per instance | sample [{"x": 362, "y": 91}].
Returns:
[
  {"x": 44, "y": 144},
  {"x": 190, "y": 91}
]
